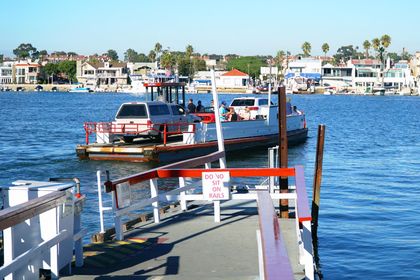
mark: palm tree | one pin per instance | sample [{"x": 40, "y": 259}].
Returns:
[
  {"x": 385, "y": 41},
  {"x": 189, "y": 51},
  {"x": 366, "y": 46},
  {"x": 152, "y": 56},
  {"x": 279, "y": 59},
  {"x": 167, "y": 60},
  {"x": 376, "y": 43},
  {"x": 306, "y": 48},
  {"x": 158, "y": 49},
  {"x": 325, "y": 48}
]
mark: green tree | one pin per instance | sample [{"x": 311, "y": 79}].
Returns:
[
  {"x": 189, "y": 51},
  {"x": 167, "y": 60},
  {"x": 367, "y": 45},
  {"x": 183, "y": 65},
  {"x": 68, "y": 68},
  {"x": 247, "y": 64},
  {"x": 158, "y": 49},
  {"x": 152, "y": 56},
  {"x": 279, "y": 59},
  {"x": 325, "y": 48},
  {"x": 141, "y": 57},
  {"x": 199, "y": 64},
  {"x": 112, "y": 54},
  {"x": 344, "y": 53},
  {"x": 394, "y": 56},
  {"x": 24, "y": 51},
  {"x": 1, "y": 58},
  {"x": 306, "y": 48},
  {"x": 385, "y": 41},
  {"x": 50, "y": 70},
  {"x": 130, "y": 55},
  {"x": 72, "y": 54},
  {"x": 376, "y": 43}
]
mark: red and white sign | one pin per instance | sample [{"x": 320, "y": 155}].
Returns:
[{"x": 215, "y": 185}]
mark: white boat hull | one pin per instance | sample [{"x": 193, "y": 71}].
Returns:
[{"x": 206, "y": 132}]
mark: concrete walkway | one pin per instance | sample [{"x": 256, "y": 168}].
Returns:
[{"x": 187, "y": 245}]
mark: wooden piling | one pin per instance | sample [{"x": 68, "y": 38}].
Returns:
[
  {"x": 317, "y": 191},
  {"x": 283, "y": 156}
]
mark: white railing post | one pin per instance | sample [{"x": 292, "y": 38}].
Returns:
[
  {"x": 183, "y": 201},
  {"x": 260, "y": 256},
  {"x": 54, "y": 249},
  {"x": 216, "y": 203},
  {"x": 101, "y": 213},
  {"x": 271, "y": 165},
  {"x": 119, "y": 234},
  {"x": 154, "y": 192},
  {"x": 307, "y": 250}
]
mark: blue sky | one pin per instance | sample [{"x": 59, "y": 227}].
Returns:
[{"x": 217, "y": 26}]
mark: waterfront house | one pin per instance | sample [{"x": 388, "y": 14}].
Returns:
[
  {"x": 399, "y": 76},
  {"x": 142, "y": 68},
  {"x": 366, "y": 73},
  {"x": 102, "y": 73},
  {"x": 6, "y": 72},
  {"x": 415, "y": 67},
  {"x": 304, "y": 65},
  {"x": 27, "y": 72},
  {"x": 233, "y": 79},
  {"x": 337, "y": 76}
]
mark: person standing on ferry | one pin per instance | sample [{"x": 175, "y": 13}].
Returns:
[
  {"x": 223, "y": 112},
  {"x": 191, "y": 107},
  {"x": 199, "y": 108}
]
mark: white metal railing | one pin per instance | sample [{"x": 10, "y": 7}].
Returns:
[
  {"x": 182, "y": 194},
  {"x": 27, "y": 249}
]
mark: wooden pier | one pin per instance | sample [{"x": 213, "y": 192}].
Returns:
[{"x": 188, "y": 245}]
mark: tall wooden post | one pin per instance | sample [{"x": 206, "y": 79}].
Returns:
[
  {"x": 183, "y": 96},
  {"x": 283, "y": 156},
  {"x": 317, "y": 190}
]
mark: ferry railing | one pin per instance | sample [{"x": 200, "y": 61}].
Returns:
[
  {"x": 22, "y": 213},
  {"x": 111, "y": 128},
  {"x": 120, "y": 188}
]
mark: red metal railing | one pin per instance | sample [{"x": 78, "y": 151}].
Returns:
[
  {"x": 136, "y": 129},
  {"x": 171, "y": 171}
]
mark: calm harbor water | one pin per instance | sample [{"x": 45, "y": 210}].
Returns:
[{"x": 369, "y": 213}]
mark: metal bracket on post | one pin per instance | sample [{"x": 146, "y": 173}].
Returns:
[
  {"x": 183, "y": 201},
  {"x": 154, "y": 193}
]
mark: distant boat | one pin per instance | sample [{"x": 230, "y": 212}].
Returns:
[
  {"x": 81, "y": 89},
  {"x": 378, "y": 91}
]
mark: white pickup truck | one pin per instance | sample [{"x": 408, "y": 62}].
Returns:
[{"x": 148, "y": 119}]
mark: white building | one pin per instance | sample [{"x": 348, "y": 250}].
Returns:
[
  {"x": 142, "y": 68},
  {"x": 304, "y": 65},
  {"x": 102, "y": 73},
  {"x": 27, "y": 72},
  {"x": 233, "y": 79},
  {"x": 337, "y": 76},
  {"x": 6, "y": 73},
  {"x": 366, "y": 74},
  {"x": 399, "y": 76}
]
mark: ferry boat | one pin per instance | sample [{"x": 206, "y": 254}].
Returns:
[{"x": 198, "y": 138}]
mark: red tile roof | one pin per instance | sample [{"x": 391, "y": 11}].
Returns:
[
  {"x": 235, "y": 72},
  {"x": 365, "y": 61}
]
